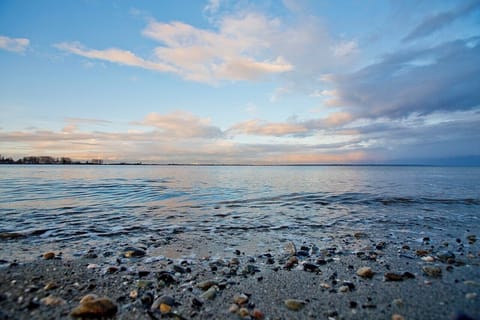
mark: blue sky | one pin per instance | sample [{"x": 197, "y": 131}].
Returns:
[{"x": 222, "y": 81}]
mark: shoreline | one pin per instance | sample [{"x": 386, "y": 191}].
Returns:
[{"x": 428, "y": 280}]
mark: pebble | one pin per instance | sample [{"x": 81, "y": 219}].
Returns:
[
  {"x": 233, "y": 308},
  {"x": 48, "y": 255},
  {"x": 390, "y": 276},
  {"x": 50, "y": 286},
  {"x": 344, "y": 289},
  {"x": 243, "y": 312},
  {"x": 257, "y": 314},
  {"x": 292, "y": 261},
  {"x": 205, "y": 285},
  {"x": 88, "y": 297},
  {"x": 240, "y": 299},
  {"x": 397, "y": 317},
  {"x": 290, "y": 249},
  {"x": 310, "y": 267},
  {"x": 131, "y": 252},
  {"x": 96, "y": 308},
  {"x": 210, "y": 293},
  {"x": 92, "y": 266},
  {"x": 445, "y": 256},
  {"x": 471, "y": 295},
  {"x": 294, "y": 304},
  {"x": 164, "y": 304},
  {"x": 422, "y": 253},
  {"x": 52, "y": 301},
  {"x": 428, "y": 259},
  {"x": 133, "y": 294},
  {"x": 471, "y": 238},
  {"x": 434, "y": 272},
  {"x": 360, "y": 235},
  {"x": 365, "y": 272}
]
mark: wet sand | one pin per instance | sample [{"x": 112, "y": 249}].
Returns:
[{"x": 430, "y": 279}]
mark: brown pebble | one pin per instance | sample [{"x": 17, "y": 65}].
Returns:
[
  {"x": 292, "y": 261},
  {"x": 397, "y": 317},
  {"x": 133, "y": 294},
  {"x": 294, "y": 304},
  {"x": 365, "y": 272},
  {"x": 390, "y": 276},
  {"x": 360, "y": 235},
  {"x": 98, "y": 308},
  {"x": 422, "y": 253},
  {"x": 243, "y": 312},
  {"x": 48, "y": 255},
  {"x": 257, "y": 314},
  {"x": 50, "y": 286},
  {"x": 52, "y": 301},
  {"x": 88, "y": 297},
  {"x": 434, "y": 272},
  {"x": 240, "y": 299},
  {"x": 233, "y": 308},
  {"x": 205, "y": 285}
]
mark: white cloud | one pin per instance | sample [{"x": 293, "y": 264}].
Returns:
[
  {"x": 18, "y": 45},
  {"x": 212, "y": 6}
]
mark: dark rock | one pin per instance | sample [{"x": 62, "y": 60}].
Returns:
[
  {"x": 310, "y": 267},
  {"x": 132, "y": 252},
  {"x": 390, "y": 276},
  {"x": 353, "y": 304}
]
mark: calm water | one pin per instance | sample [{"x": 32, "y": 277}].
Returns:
[{"x": 69, "y": 206}]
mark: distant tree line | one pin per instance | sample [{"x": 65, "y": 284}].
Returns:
[{"x": 46, "y": 160}]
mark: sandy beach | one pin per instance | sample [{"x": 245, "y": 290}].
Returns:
[{"x": 355, "y": 277}]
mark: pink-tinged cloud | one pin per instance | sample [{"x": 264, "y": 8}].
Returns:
[
  {"x": 260, "y": 128},
  {"x": 17, "y": 45},
  {"x": 181, "y": 124},
  {"x": 114, "y": 55}
]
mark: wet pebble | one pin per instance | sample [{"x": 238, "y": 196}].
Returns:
[
  {"x": 243, "y": 312},
  {"x": 52, "y": 301},
  {"x": 294, "y": 304},
  {"x": 445, "y": 256},
  {"x": 48, "y": 255},
  {"x": 205, "y": 285},
  {"x": 132, "y": 252},
  {"x": 292, "y": 261},
  {"x": 365, "y": 272},
  {"x": 390, "y": 276},
  {"x": 290, "y": 249},
  {"x": 233, "y": 308},
  {"x": 240, "y": 299},
  {"x": 434, "y": 272},
  {"x": 210, "y": 293},
  {"x": 50, "y": 286},
  {"x": 397, "y": 317},
  {"x": 428, "y": 259},
  {"x": 164, "y": 304},
  {"x": 257, "y": 314},
  {"x": 96, "y": 308},
  {"x": 471, "y": 295},
  {"x": 307, "y": 266}
]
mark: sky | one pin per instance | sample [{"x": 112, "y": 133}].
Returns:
[{"x": 240, "y": 82}]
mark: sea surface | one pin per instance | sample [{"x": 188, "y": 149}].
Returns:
[{"x": 70, "y": 208}]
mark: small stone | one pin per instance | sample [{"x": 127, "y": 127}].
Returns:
[
  {"x": 133, "y": 294},
  {"x": 205, "y": 285},
  {"x": 381, "y": 245},
  {"x": 408, "y": 275},
  {"x": 428, "y": 259},
  {"x": 471, "y": 295},
  {"x": 257, "y": 314},
  {"x": 390, "y": 276},
  {"x": 210, "y": 293},
  {"x": 294, "y": 304},
  {"x": 343, "y": 289},
  {"x": 240, "y": 299},
  {"x": 352, "y": 304},
  {"x": 92, "y": 266},
  {"x": 398, "y": 302},
  {"x": 397, "y": 317},
  {"x": 111, "y": 269},
  {"x": 445, "y": 256},
  {"x": 164, "y": 304},
  {"x": 290, "y": 249},
  {"x": 471, "y": 238},
  {"x": 292, "y": 261},
  {"x": 131, "y": 252},
  {"x": 233, "y": 308},
  {"x": 88, "y": 297},
  {"x": 48, "y": 255},
  {"x": 422, "y": 253},
  {"x": 434, "y": 272},
  {"x": 50, "y": 286},
  {"x": 360, "y": 235},
  {"x": 52, "y": 301},
  {"x": 365, "y": 272},
  {"x": 97, "y": 308},
  {"x": 325, "y": 285},
  {"x": 243, "y": 312},
  {"x": 310, "y": 267}
]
